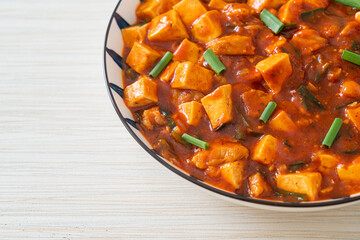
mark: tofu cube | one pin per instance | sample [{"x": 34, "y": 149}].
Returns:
[
  {"x": 149, "y": 9},
  {"x": 308, "y": 40},
  {"x": 265, "y": 151},
  {"x": 305, "y": 183},
  {"x": 191, "y": 76},
  {"x": 350, "y": 172},
  {"x": 353, "y": 113},
  {"x": 233, "y": 173},
  {"x": 290, "y": 11},
  {"x": 218, "y": 106},
  {"x": 134, "y": 34},
  {"x": 187, "y": 51},
  {"x": 350, "y": 89},
  {"x": 282, "y": 122},
  {"x": 193, "y": 112},
  {"x": 259, "y": 5},
  {"x": 207, "y": 27},
  {"x": 189, "y": 11},
  {"x": 255, "y": 102},
  {"x": 232, "y": 45},
  {"x": 277, "y": 42},
  {"x": 169, "y": 71},
  {"x": 275, "y": 70},
  {"x": 141, "y": 57},
  {"x": 258, "y": 185},
  {"x": 141, "y": 93},
  {"x": 327, "y": 162},
  {"x": 217, "y": 4},
  {"x": 167, "y": 27}
]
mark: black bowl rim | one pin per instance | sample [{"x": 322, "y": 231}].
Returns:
[{"x": 325, "y": 203}]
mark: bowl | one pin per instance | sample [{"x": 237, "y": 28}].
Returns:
[{"x": 124, "y": 14}]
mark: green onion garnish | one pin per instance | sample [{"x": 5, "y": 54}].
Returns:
[
  {"x": 351, "y": 3},
  {"x": 308, "y": 98},
  {"x": 290, "y": 26},
  {"x": 345, "y": 105},
  {"x": 214, "y": 62},
  {"x": 271, "y": 21},
  {"x": 268, "y": 111},
  {"x": 304, "y": 15},
  {"x": 295, "y": 166},
  {"x": 161, "y": 65},
  {"x": 351, "y": 57},
  {"x": 283, "y": 193},
  {"x": 333, "y": 131},
  {"x": 320, "y": 74},
  {"x": 195, "y": 141},
  {"x": 350, "y": 151},
  {"x": 169, "y": 118}
]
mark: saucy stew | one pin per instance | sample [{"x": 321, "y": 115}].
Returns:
[{"x": 261, "y": 98}]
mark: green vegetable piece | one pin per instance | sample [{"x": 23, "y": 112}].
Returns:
[
  {"x": 345, "y": 105},
  {"x": 332, "y": 133},
  {"x": 304, "y": 15},
  {"x": 351, "y": 57},
  {"x": 351, "y": 3},
  {"x": 320, "y": 75},
  {"x": 295, "y": 166},
  {"x": 214, "y": 62},
  {"x": 271, "y": 21},
  {"x": 161, "y": 65},
  {"x": 290, "y": 26},
  {"x": 268, "y": 112},
  {"x": 307, "y": 97},
  {"x": 169, "y": 119},
  {"x": 195, "y": 141},
  {"x": 283, "y": 193}
]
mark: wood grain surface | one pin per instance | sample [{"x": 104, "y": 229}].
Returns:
[{"x": 70, "y": 170}]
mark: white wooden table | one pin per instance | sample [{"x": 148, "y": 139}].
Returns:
[{"x": 70, "y": 170}]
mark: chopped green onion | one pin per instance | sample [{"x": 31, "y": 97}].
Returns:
[
  {"x": 333, "y": 131},
  {"x": 295, "y": 50},
  {"x": 169, "y": 118},
  {"x": 290, "y": 26},
  {"x": 320, "y": 74},
  {"x": 350, "y": 151},
  {"x": 240, "y": 136},
  {"x": 283, "y": 193},
  {"x": 195, "y": 141},
  {"x": 351, "y": 3},
  {"x": 214, "y": 62},
  {"x": 345, "y": 105},
  {"x": 271, "y": 21},
  {"x": 307, "y": 98},
  {"x": 268, "y": 111},
  {"x": 295, "y": 166},
  {"x": 304, "y": 15},
  {"x": 161, "y": 65},
  {"x": 287, "y": 143},
  {"x": 351, "y": 57}
]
